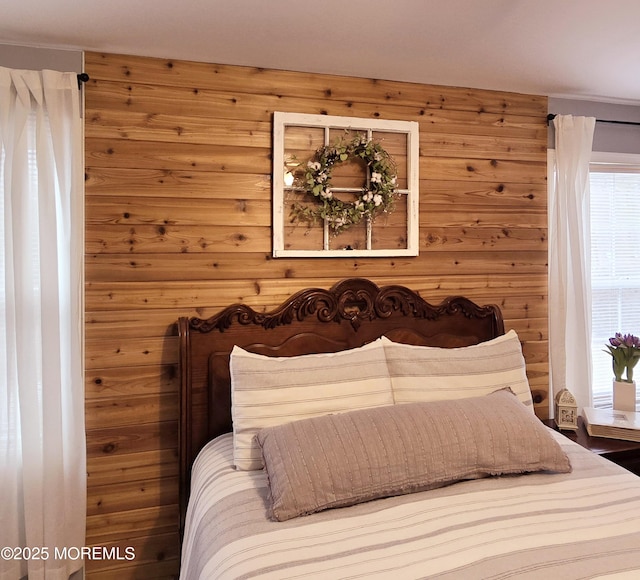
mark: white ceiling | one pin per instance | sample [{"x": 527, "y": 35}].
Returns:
[{"x": 588, "y": 49}]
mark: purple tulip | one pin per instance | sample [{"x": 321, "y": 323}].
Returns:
[
  {"x": 625, "y": 351},
  {"x": 625, "y": 340}
]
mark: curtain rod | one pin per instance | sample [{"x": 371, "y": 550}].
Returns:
[
  {"x": 551, "y": 117},
  {"x": 82, "y": 78}
]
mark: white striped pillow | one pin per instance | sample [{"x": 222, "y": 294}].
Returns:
[
  {"x": 425, "y": 373},
  {"x": 269, "y": 391}
]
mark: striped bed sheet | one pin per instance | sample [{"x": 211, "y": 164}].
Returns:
[{"x": 585, "y": 524}]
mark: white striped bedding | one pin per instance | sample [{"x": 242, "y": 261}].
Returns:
[{"x": 585, "y": 524}]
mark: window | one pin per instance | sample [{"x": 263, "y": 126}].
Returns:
[
  {"x": 615, "y": 260},
  {"x": 296, "y": 137}
]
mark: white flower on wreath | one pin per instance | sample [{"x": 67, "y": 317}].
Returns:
[
  {"x": 326, "y": 194},
  {"x": 376, "y": 177},
  {"x": 377, "y": 199},
  {"x": 315, "y": 165}
]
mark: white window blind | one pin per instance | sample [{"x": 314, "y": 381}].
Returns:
[{"x": 615, "y": 264}]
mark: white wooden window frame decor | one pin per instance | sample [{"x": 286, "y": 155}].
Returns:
[{"x": 357, "y": 125}]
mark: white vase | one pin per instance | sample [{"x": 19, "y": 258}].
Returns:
[{"x": 624, "y": 396}]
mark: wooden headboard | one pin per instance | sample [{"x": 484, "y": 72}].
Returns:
[{"x": 353, "y": 312}]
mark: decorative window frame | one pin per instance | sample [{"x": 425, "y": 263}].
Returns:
[{"x": 328, "y": 122}]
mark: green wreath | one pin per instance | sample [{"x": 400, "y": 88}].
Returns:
[{"x": 377, "y": 197}]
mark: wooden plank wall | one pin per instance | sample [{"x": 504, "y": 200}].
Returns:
[{"x": 178, "y": 222}]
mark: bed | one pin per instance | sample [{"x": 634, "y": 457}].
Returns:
[{"x": 362, "y": 432}]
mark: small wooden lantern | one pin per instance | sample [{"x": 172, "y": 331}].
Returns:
[{"x": 566, "y": 411}]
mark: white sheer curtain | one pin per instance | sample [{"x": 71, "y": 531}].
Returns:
[
  {"x": 569, "y": 259},
  {"x": 42, "y": 441}
]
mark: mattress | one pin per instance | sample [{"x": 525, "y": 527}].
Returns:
[{"x": 585, "y": 524}]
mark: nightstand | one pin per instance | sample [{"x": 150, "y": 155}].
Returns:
[{"x": 624, "y": 453}]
